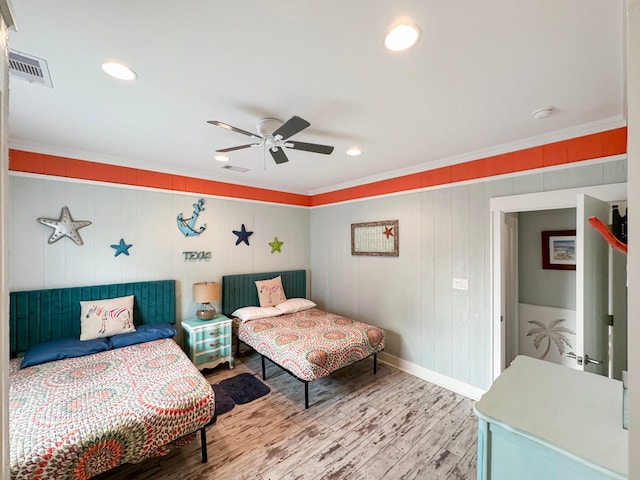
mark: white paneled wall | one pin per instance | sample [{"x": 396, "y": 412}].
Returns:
[
  {"x": 146, "y": 219},
  {"x": 444, "y": 234}
]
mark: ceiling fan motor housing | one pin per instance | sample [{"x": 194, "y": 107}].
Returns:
[{"x": 266, "y": 126}]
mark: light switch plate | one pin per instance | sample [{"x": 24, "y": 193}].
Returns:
[{"x": 460, "y": 284}]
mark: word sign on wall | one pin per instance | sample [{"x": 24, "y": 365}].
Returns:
[{"x": 195, "y": 256}]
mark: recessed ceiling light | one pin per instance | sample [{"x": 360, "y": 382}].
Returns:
[
  {"x": 542, "y": 113},
  {"x": 118, "y": 70},
  {"x": 402, "y": 37},
  {"x": 354, "y": 151},
  {"x": 221, "y": 157}
]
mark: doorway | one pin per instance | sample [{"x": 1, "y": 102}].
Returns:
[
  {"x": 504, "y": 219},
  {"x": 543, "y": 322}
]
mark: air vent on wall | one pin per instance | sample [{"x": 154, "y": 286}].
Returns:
[
  {"x": 235, "y": 169},
  {"x": 29, "y": 68}
]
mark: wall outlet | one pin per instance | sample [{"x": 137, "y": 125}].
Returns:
[{"x": 460, "y": 284}]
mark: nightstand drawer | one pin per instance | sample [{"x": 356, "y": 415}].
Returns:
[
  {"x": 212, "y": 355},
  {"x": 212, "y": 331},
  {"x": 212, "y": 343}
]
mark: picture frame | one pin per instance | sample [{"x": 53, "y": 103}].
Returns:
[
  {"x": 559, "y": 250},
  {"x": 377, "y": 239}
]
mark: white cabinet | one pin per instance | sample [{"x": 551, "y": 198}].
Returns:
[{"x": 540, "y": 420}]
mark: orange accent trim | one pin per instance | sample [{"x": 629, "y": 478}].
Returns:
[
  {"x": 39, "y": 163},
  {"x": 611, "y": 142}
]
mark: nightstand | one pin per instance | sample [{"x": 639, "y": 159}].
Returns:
[{"x": 208, "y": 342}]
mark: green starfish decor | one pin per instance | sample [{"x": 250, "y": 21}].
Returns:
[{"x": 275, "y": 245}]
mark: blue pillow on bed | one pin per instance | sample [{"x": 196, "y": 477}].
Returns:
[
  {"x": 62, "y": 348},
  {"x": 143, "y": 333}
]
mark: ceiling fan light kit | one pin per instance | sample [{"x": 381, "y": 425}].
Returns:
[{"x": 274, "y": 135}]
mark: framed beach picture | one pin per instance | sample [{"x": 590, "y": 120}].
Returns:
[
  {"x": 378, "y": 239},
  {"x": 559, "y": 249}
]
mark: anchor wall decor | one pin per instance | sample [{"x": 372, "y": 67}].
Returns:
[{"x": 188, "y": 225}]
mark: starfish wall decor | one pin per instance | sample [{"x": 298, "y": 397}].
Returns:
[
  {"x": 65, "y": 226},
  {"x": 243, "y": 235},
  {"x": 275, "y": 245},
  {"x": 122, "y": 247}
]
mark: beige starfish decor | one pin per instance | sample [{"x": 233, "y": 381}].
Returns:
[{"x": 65, "y": 226}]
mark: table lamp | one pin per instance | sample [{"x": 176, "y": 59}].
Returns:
[{"x": 205, "y": 293}]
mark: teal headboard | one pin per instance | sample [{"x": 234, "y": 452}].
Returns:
[
  {"x": 37, "y": 316},
  {"x": 240, "y": 290}
]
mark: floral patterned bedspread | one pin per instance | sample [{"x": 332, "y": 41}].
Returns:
[
  {"x": 312, "y": 343},
  {"x": 78, "y": 417}
]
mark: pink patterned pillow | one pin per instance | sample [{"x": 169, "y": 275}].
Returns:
[{"x": 270, "y": 292}]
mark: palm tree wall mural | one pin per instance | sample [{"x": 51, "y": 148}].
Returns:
[{"x": 553, "y": 333}]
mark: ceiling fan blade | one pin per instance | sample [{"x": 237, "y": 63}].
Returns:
[
  {"x": 233, "y": 129},
  {"x": 278, "y": 155},
  {"x": 239, "y": 147},
  {"x": 309, "y": 147},
  {"x": 292, "y": 126}
]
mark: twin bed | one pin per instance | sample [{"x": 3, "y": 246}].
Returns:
[
  {"x": 137, "y": 396},
  {"x": 305, "y": 341},
  {"x": 79, "y": 408}
]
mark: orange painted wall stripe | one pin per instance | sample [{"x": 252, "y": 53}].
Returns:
[
  {"x": 28, "y": 162},
  {"x": 588, "y": 147}
]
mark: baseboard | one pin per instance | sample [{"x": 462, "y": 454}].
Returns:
[{"x": 430, "y": 376}]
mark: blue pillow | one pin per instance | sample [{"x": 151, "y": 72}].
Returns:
[
  {"x": 143, "y": 333},
  {"x": 62, "y": 348}
]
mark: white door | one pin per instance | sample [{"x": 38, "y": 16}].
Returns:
[{"x": 592, "y": 279}]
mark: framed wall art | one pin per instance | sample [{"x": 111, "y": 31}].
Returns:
[
  {"x": 559, "y": 249},
  {"x": 376, "y": 239}
]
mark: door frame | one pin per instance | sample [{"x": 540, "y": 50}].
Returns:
[{"x": 499, "y": 206}]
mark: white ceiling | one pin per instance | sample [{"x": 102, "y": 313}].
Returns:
[{"x": 467, "y": 88}]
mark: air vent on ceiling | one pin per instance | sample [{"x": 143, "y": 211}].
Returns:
[
  {"x": 235, "y": 169},
  {"x": 29, "y": 68}
]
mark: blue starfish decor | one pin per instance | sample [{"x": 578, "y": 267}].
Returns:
[
  {"x": 243, "y": 235},
  {"x": 122, "y": 248}
]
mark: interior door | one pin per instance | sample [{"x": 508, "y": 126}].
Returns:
[{"x": 592, "y": 279}]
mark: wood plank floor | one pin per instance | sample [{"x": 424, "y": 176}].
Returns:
[{"x": 358, "y": 426}]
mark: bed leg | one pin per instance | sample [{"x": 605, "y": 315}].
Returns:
[
  {"x": 306, "y": 395},
  {"x": 203, "y": 444},
  {"x": 264, "y": 370},
  {"x": 237, "y": 347},
  {"x": 375, "y": 363}
]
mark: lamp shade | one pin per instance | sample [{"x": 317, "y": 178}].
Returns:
[{"x": 206, "y": 292}]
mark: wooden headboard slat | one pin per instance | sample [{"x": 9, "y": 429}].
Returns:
[
  {"x": 240, "y": 290},
  {"x": 36, "y": 316}
]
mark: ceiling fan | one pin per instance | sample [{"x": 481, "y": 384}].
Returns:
[{"x": 274, "y": 135}]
